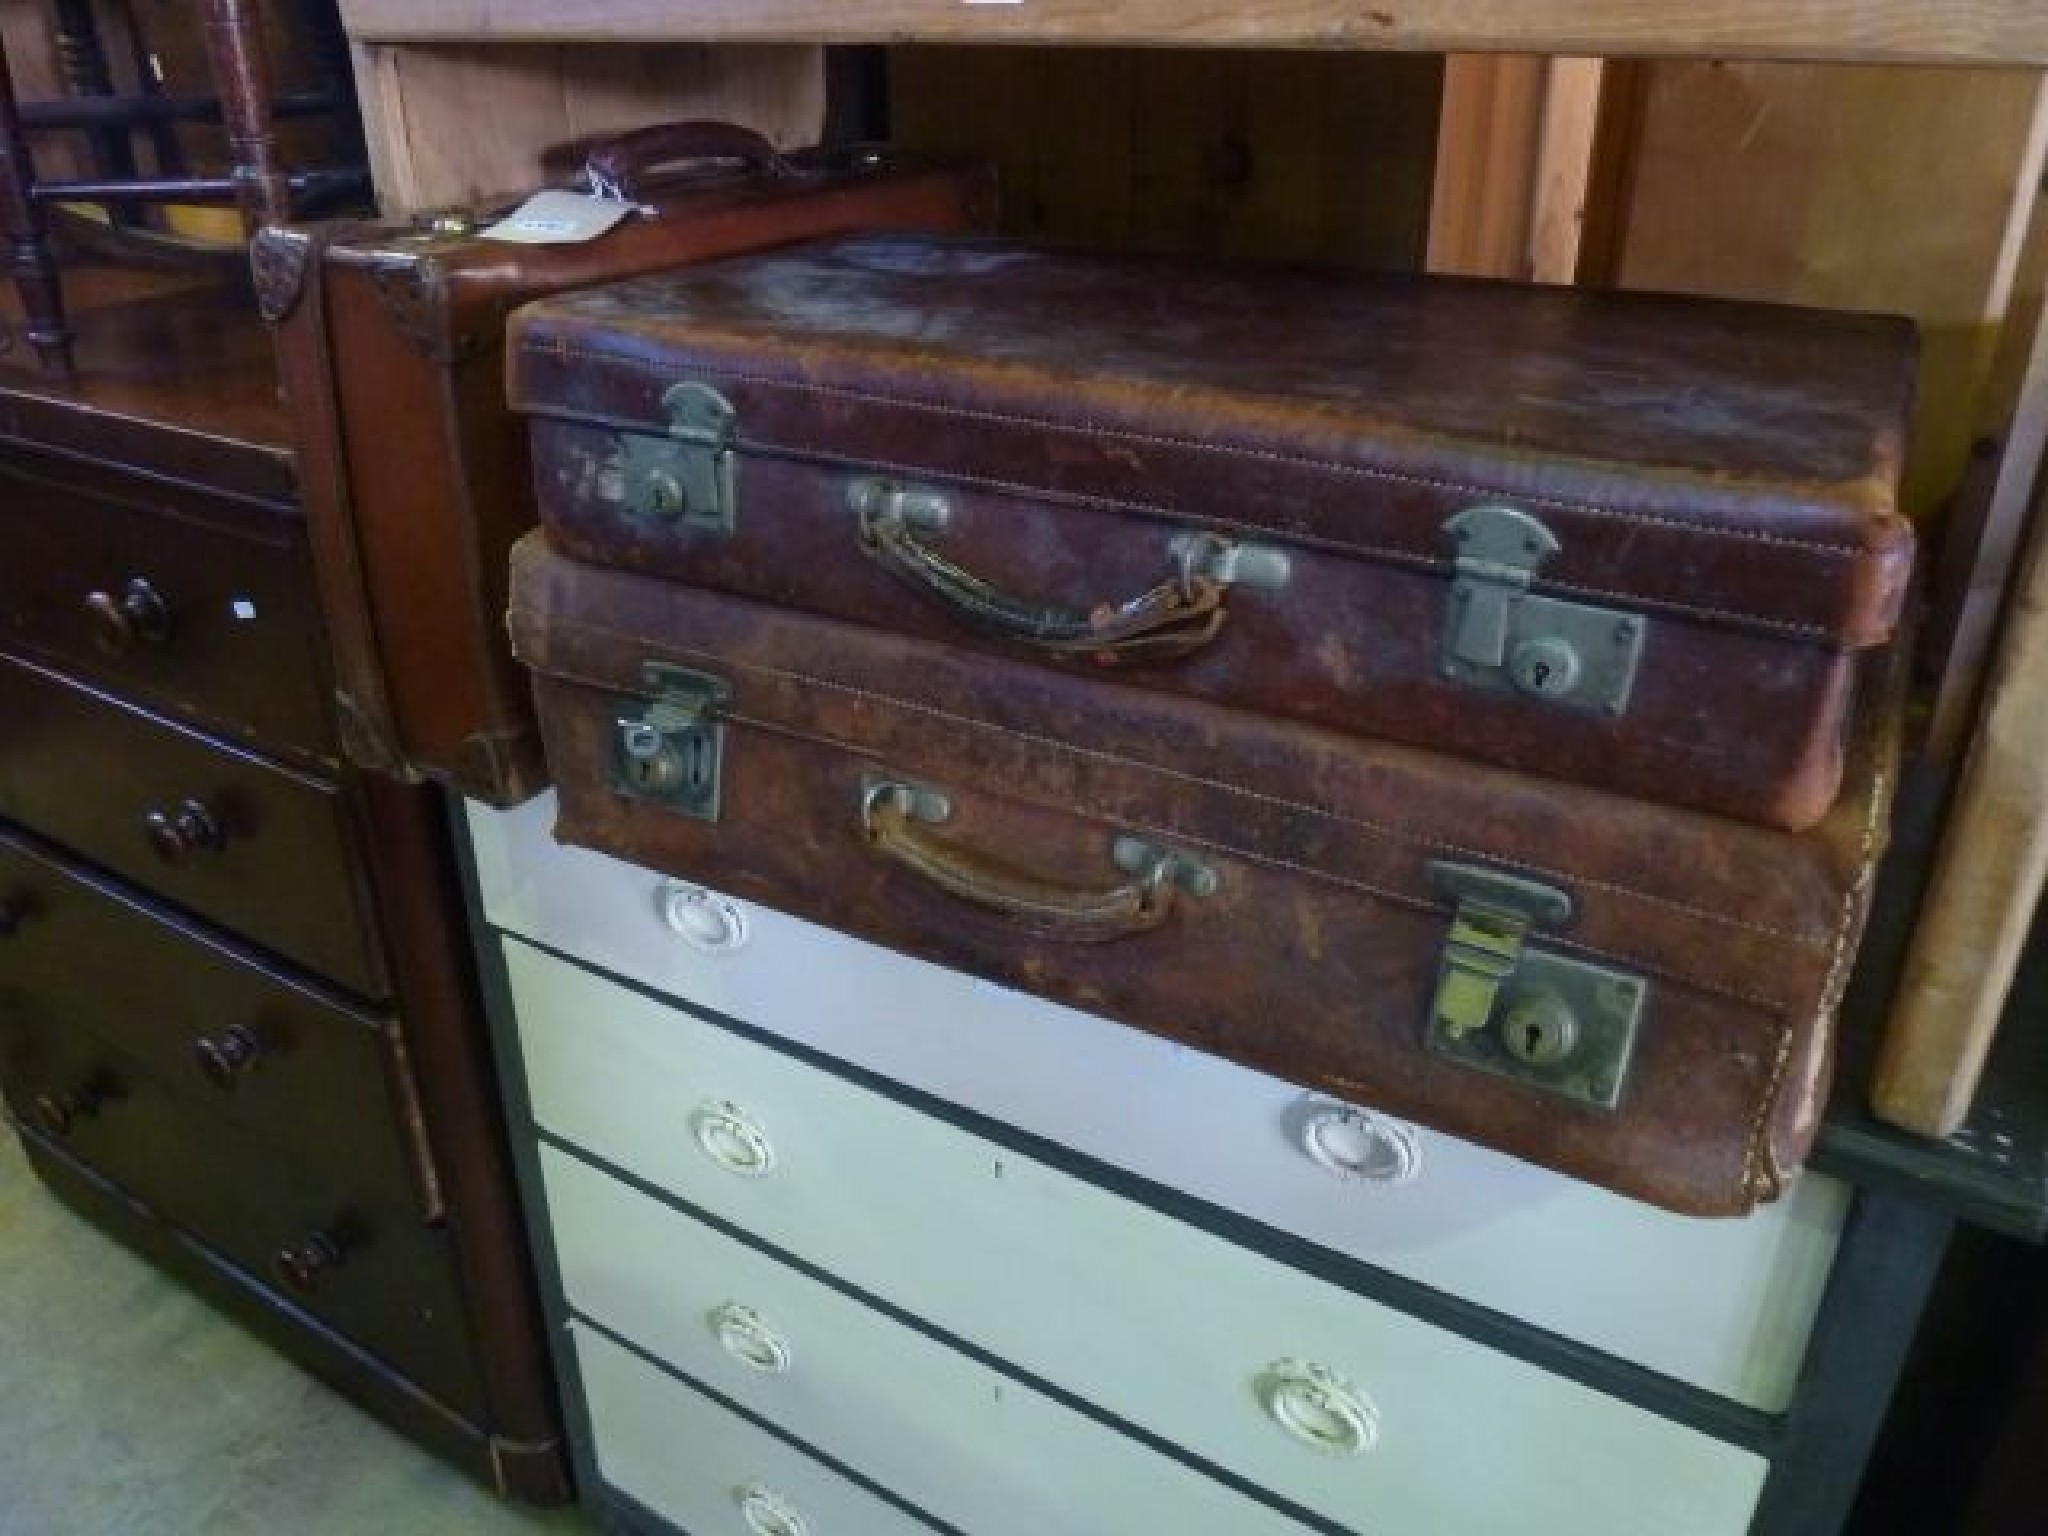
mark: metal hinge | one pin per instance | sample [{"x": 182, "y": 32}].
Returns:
[
  {"x": 1507, "y": 1006},
  {"x": 670, "y": 750},
  {"x": 1500, "y": 636},
  {"x": 688, "y": 477}
]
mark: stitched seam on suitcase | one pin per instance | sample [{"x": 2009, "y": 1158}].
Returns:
[
  {"x": 557, "y": 350},
  {"x": 1755, "y": 1179},
  {"x": 1059, "y": 747},
  {"x": 1378, "y": 828}
]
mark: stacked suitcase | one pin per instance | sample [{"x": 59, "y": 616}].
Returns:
[{"x": 1469, "y": 698}]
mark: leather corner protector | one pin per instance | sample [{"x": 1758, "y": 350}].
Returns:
[{"x": 278, "y": 261}]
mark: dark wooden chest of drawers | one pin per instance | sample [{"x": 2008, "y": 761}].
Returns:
[{"x": 236, "y": 1024}]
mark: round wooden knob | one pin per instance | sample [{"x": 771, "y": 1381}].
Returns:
[
  {"x": 118, "y": 622},
  {"x": 179, "y": 833},
  {"x": 226, "y": 1058},
  {"x": 301, "y": 1266}
]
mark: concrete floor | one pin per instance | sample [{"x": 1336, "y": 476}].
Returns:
[{"x": 129, "y": 1408}]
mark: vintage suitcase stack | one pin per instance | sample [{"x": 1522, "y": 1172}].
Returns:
[
  {"x": 415, "y": 475},
  {"x": 1471, "y": 698}
]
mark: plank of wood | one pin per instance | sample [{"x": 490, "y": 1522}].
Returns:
[
  {"x": 1564, "y": 167},
  {"x": 1988, "y": 513},
  {"x": 474, "y": 126},
  {"x": 1881, "y": 189},
  {"x": 1988, "y": 878},
  {"x": 1987, "y": 32},
  {"x": 1488, "y": 139}
]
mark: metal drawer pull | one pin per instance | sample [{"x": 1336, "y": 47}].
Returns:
[
  {"x": 302, "y": 1266},
  {"x": 1319, "y": 1408},
  {"x": 226, "y": 1058},
  {"x": 1354, "y": 1143},
  {"x": 59, "y": 1113},
  {"x": 893, "y": 814},
  {"x": 139, "y": 613},
  {"x": 745, "y": 1335},
  {"x": 709, "y": 923},
  {"x": 733, "y": 1139},
  {"x": 769, "y": 1514},
  {"x": 178, "y": 834}
]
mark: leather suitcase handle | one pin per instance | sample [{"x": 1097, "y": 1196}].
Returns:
[
  {"x": 1177, "y": 616},
  {"x": 891, "y": 821},
  {"x": 629, "y": 164}
]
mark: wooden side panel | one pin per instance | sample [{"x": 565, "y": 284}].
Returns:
[
  {"x": 1297, "y": 157},
  {"x": 469, "y": 126},
  {"x": 1884, "y": 189}
]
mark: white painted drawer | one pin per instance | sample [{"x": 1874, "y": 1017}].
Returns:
[
  {"x": 1167, "y": 1326},
  {"x": 708, "y": 1470},
  {"x": 965, "y": 1443},
  {"x": 1723, "y": 1305}
]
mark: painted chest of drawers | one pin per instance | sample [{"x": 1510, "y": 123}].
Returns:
[
  {"x": 234, "y": 1027},
  {"x": 826, "y": 1226}
]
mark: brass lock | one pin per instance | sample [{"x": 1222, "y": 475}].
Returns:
[
  {"x": 1505, "y": 1004},
  {"x": 668, "y": 750}
]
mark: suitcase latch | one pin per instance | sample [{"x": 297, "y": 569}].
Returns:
[
  {"x": 668, "y": 752},
  {"x": 688, "y": 477},
  {"x": 1507, "y": 1006},
  {"x": 1500, "y": 636}
]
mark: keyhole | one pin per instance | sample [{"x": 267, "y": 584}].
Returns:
[{"x": 1541, "y": 674}]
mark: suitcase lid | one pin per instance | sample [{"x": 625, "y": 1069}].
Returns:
[{"x": 1735, "y": 462}]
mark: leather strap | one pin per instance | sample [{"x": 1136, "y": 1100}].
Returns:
[{"x": 364, "y": 716}]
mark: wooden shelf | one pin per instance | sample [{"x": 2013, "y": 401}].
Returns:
[{"x": 1970, "y": 32}]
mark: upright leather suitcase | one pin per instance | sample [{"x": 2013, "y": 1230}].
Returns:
[
  {"x": 1625, "y": 540},
  {"x": 415, "y": 476},
  {"x": 1636, "y": 994}
]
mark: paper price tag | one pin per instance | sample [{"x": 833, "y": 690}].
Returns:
[{"x": 553, "y": 217}]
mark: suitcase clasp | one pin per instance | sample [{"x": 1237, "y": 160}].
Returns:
[
  {"x": 1509, "y": 1007},
  {"x": 1500, "y": 636},
  {"x": 689, "y": 476},
  {"x": 670, "y": 750}
]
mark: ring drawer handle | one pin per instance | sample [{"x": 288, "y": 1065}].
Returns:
[
  {"x": 1319, "y": 1408},
  {"x": 302, "y": 1266},
  {"x": 706, "y": 921},
  {"x": 893, "y": 812},
  {"x": 226, "y": 1058},
  {"x": 1354, "y": 1143},
  {"x": 139, "y": 613},
  {"x": 768, "y": 1513},
  {"x": 1178, "y": 615},
  {"x": 733, "y": 1139},
  {"x": 187, "y": 829},
  {"x": 747, "y": 1336}
]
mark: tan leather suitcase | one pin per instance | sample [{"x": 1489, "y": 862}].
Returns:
[
  {"x": 1626, "y": 540},
  {"x": 1636, "y": 994},
  {"x": 415, "y": 477}
]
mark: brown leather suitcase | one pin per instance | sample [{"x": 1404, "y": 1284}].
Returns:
[
  {"x": 1625, "y": 540},
  {"x": 415, "y": 477},
  {"x": 1636, "y": 994}
]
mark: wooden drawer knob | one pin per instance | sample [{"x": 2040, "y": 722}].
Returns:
[
  {"x": 226, "y": 1058},
  {"x": 138, "y": 613},
  {"x": 186, "y": 829},
  {"x": 303, "y": 1265}
]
